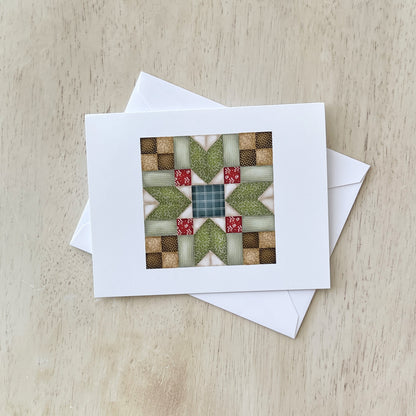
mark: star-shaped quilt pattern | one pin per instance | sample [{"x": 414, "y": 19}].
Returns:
[{"x": 208, "y": 200}]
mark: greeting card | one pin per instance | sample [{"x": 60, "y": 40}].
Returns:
[{"x": 203, "y": 201}]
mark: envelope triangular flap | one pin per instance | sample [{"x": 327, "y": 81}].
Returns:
[
  {"x": 82, "y": 235},
  {"x": 343, "y": 170},
  {"x": 160, "y": 94}
]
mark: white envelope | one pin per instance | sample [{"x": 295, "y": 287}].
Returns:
[{"x": 281, "y": 311}]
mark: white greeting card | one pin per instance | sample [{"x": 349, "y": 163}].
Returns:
[{"x": 209, "y": 200}]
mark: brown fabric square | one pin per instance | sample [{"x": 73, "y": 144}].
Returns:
[
  {"x": 154, "y": 260},
  {"x": 264, "y": 157},
  {"x": 264, "y": 140},
  {"x": 247, "y": 140},
  {"x": 267, "y": 255},
  {"x": 250, "y": 240},
  {"x": 247, "y": 157},
  {"x": 153, "y": 244},
  {"x": 251, "y": 256},
  {"x": 165, "y": 161},
  {"x": 149, "y": 162},
  {"x": 148, "y": 145},
  {"x": 267, "y": 239},
  {"x": 169, "y": 243},
  {"x": 164, "y": 144},
  {"x": 170, "y": 260}
]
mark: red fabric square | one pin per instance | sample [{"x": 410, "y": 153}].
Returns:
[
  {"x": 234, "y": 224},
  {"x": 232, "y": 175},
  {"x": 183, "y": 177},
  {"x": 185, "y": 226}
]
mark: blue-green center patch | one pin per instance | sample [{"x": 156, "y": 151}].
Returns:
[{"x": 208, "y": 201}]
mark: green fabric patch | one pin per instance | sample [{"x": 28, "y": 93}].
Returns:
[
  {"x": 210, "y": 237},
  {"x": 263, "y": 223},
  {"x": 235, "y": 248},
  {"x": 256, "y": 173},
  {"x": 186, "y": 250},
  {"x": 206, "y": 164},
  {"x": 245, "y": 199},
  {"x": 159, "y": 228},
  {"x": 231, "y": 150},
  {"x": 159, "y": 178},
  {"x": 181, "y": 152},
  {"x": 172, "y": 202}
]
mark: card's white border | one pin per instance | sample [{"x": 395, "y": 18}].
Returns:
[{"x": 301, "y": 200}]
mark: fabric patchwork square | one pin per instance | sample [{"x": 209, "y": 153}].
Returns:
[
  {"x": 153, "y": 244},
  {"x": 256, "y": 149},
  {"x": 169, "y": 243},
  {"x": 248, "y": 157},
  {"x": 148, "y": 145},
  {"x": 191, "y": 182},
  {"x": 154, "y": 260},
  {"x": 267, "y": 255},
  {"x": 233, "y": 224},
  {"x": 264, "y": 140},
  {"x": 149, "y": 162},
  {"x": 264, "y": 157},
  {"x": 185, "y": 226},
  {"x": 247, "y": 140},
  {"x": 262, "y": 239},
  {"x": 250, "y": 240},
  {"x": 183, "y": 177},
  {"x": 157, "y": 153},
  {"x": 208, "y": 201},
  {"x": 259, "y": 247},
  {"x": 251, "y": 256},
  {"x": 165, "y": 161},
  {"x": 232, "y": 175},
  {"x": 162, "y": 252},
  {"x": 164, "y": 144},
  {"x": 170, "y": 260},
  {"x": 267, "y": 239}
]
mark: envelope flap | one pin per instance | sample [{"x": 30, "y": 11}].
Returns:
[
  {"x": 82, "y": 235},
  {"x": 152, "y": 93},
  {"x": 343, "y": 170}
]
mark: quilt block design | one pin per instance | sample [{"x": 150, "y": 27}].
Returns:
[
  {"x": 259, "y": 247},
  {"x": 208, "y": 200},
  {"x": 162, "y": 252}
]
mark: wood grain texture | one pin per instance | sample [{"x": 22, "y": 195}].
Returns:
[{"x": 62, "y": 352}]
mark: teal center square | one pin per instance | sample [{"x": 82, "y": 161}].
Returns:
[{"x": 208, "y": 201}]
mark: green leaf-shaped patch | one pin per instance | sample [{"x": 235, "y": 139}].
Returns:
[
  {"x": 171, "y": 202},
  {"x": 206, "y": 164},
  {"x": 245, "y": 199},
  {"x": 210, "y": 237}
]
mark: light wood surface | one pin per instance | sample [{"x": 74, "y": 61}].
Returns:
[{"x": 64, "y": 353}]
